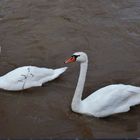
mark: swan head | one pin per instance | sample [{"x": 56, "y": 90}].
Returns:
[{"x": 77, "y": 56}]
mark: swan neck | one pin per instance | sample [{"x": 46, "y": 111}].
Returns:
[{"x": 80, "y": 85}]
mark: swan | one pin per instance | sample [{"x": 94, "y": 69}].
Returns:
[
  {"x": 28, "y": 76},
  {"x": 109, "y": 100}
]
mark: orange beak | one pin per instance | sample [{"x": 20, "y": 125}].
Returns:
[{"x": 70, "y": 60}]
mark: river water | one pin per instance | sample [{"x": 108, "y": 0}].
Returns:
[{"x": 46, "y": 32}]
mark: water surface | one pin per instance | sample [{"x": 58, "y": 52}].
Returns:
[{"x": 46, "y": 32}]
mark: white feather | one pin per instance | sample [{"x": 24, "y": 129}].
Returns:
[{"x": 27, "y": 77}]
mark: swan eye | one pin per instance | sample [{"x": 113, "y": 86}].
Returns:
[{"x": 75, "y": 56}]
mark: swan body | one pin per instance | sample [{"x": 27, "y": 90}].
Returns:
[
  {"x": 112, "y": 99},
  {"x": 27, "y": 77}
]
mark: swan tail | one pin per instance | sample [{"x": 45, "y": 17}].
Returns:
[
  {"x": 55, "y": 74},
  {"x": 134, "y": 100},
  {"x": 59, "y": 71}
]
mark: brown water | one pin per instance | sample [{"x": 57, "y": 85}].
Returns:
[{"x": 45, "y": 33}]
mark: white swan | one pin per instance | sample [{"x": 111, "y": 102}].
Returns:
[
  {"x": 106, "y": 101},
  {"x": 27, "y": 77}
]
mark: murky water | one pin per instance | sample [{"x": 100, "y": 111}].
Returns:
[{"x": 45, "y": 33}]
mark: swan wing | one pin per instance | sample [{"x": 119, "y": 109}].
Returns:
[
  {"x": 25, "y": 77},
  {"x": 28, "y": 76},
  {"x": 28, "y": 72},
  {"x": 112, "y": 99},
  {"x": 37, "y": 73}
]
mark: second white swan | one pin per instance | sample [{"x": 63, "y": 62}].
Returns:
[
  {"x": 28, "y": 76},
  {"x": 112, "y": 99}
]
